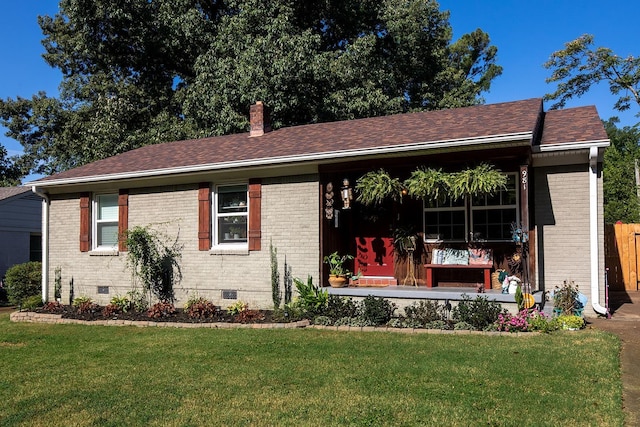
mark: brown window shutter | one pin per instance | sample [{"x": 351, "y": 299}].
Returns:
[
  {"x": 123, "y": 219},
  {"x": 85, "y": 222},
  {"x": 204, "y": 216},
  {"x": 255, "y": 214}
]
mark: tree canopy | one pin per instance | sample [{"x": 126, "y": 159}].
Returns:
[
  {"x": 579, "y": 66},
  {"x": 144, "y": 72},
  {"x": 621, "y": 201}
]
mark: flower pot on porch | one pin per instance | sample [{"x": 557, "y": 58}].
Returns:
[{"x": 337, "y": 281}]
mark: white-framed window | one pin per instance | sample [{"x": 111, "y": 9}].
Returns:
[
  {"x": 445, "y": 220},
  {"x": 492, "y": 215},
  {"x": 489, "y": 217},
  {"x": 105, "y": 223},
  {"x": 230, "y": 215}
]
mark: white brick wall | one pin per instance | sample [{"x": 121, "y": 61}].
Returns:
[
  {"x": 290, "y": 214},
  {"x": 562, "y": 228}
]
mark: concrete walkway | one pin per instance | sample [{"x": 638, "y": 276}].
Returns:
[{"x": 625, "y": 322}]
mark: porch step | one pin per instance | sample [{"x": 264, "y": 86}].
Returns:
[{"x": 374, "y": 281}]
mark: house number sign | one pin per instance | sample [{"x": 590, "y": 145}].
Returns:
[{"x": 524, "y": 178}]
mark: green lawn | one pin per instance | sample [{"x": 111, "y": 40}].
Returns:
[{"x": 96, "y": 375}]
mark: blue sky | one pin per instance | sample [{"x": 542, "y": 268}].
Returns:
[{"x": 525, "y": 32}]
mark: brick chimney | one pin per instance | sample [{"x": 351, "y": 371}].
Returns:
[{"x": 259, "y": 117}]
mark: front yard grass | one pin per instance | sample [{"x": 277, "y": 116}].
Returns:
[{"x": 111, "y": 376}]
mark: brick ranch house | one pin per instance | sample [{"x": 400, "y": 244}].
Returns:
[{"x": 227, "y": 198}]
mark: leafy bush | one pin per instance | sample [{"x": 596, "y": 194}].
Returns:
[
  {"x": 161, "y": 309},
  {"x": 539, "y": 322},
  {"x": 463, "y": 326},
  {"x": 323, "y": 320},
  {"x": 479, "y": 312},
  {"x": 376, "y": 310},
  {"x": 32, "y": 302},
  {"x": 338, "y": 307},
  {"x": 138, "y": 300},
  {"x": 78, "y": 301},
  {"x": 23, "y": 281},
  {"x": 84, "y": 304},
  {"x": 570, "y": 322},
  {"x": 437, "y": 324},
  {"x": 237, "y": 308},
  {"x": 313, "y": 300},
  {"x": 53, "y": 307},
  {"x": 200, "y": 308},
  {"x": 122, "y": 303},
  {"x": 246, "y": 316},
  {"x": 423, "y": 312},
  {"x": 110, "y": 310}
]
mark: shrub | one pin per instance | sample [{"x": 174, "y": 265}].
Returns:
[
  {"x": 237, "y": 308},
  {"x": 110, "y": 310},
  {"x": 23, "y": 281},
  {"x": 423, "y": 312},
  {"x": 513, "y": 323},
  {"x": 570, "y": 322},
  {"x": 32, "y": 302},
  {"x": 84, "y": 304},
  {"x": 53, "y": 307},
  {"x": 246, "y": 316},
  {"x": 161, "y": 309},
  {"x": 122, "y": 303},
  {"x": 313, "y": 300},
  {"x": 200, "y": 308},
  {"x": 463, "y": 326},
  {"x": 479, "y": 312},
  {"x": 323, "y": 320},
  {"x": 376, "y": 310},
  {"x": 138, "y": 300},
  {"x": 338, "y": 307},
  {"x": 539, "y": 322},
  {"x": 437, "y": 324}
]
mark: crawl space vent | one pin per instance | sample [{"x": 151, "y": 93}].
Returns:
[{"x": 229, "y": 294}]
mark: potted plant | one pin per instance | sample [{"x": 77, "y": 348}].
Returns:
[
  {"x": 565, "y": 299},
  {"x": 338, "y": 273}
]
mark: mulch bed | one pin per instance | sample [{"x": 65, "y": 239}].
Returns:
[{"x": 180, "y": 316}]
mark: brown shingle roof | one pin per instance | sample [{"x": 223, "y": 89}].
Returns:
[
  {"x": 371, "y": 133},
  {"x": 572, "y": 125}
]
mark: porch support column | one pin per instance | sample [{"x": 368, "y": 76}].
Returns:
[{"x": 524, "y": 215}]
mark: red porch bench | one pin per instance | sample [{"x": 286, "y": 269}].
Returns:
[{"x": 485, "y": 267}]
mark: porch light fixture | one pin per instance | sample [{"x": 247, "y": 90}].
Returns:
[{"x": 347, "y": 194}]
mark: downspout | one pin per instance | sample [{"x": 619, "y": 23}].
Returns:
[
  {"x": 593, "y": 228},
  {"x": 45, "y": 241}
]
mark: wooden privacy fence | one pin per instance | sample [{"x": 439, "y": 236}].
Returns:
[{"x": 622, "y": 253}]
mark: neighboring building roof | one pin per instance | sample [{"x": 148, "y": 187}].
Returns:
[
  {"x": 8, "y": 192},
  {"x": 517, "y": 121}
]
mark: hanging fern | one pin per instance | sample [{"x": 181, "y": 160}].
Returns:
[
  {"x": 483, "y": 179},
  {"x": 376, "y": 186},
  {"x": 428, "y": 183}
]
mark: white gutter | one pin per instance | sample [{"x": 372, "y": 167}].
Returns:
[
  {"x": 593, "y": 228},
  {"x": 601, "y": 143},
  {"x": 329, "y": 155},
  {"x": 45, "y": 242}
]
